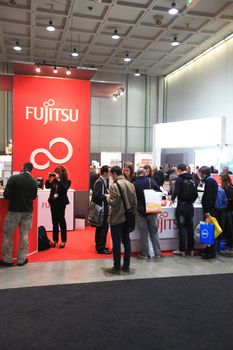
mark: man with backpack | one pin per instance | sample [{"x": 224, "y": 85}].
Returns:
[{"x": 186, "y": 192}]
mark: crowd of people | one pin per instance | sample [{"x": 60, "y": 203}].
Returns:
[
  {"x": 182, "y": 188},
  {"x": 118, "y": 190}
]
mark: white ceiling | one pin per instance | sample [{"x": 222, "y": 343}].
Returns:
[{"x": 88, "y": 25}]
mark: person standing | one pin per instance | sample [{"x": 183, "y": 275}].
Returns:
[
  {"x": 208, "y": 205},
  {"x": 117, "y": 218},
  {"x": 128, "y": 172},
  {"x": 93, "y": 176},
  {"x": 147, "y": 223},
  {"x": 21, "y": 190},
  {"x": 100, "y": 189},
  {"x": 186, "y": 192},
  {"x": 227, "y": 214},
  {"x": 59, "y": 184}
]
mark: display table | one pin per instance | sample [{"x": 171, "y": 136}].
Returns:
[
  {"x": 167, "y": 229},
  {"x": 44, "y": 214},
  {"x": 32, "y": 236}
]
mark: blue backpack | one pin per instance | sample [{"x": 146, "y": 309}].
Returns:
[{"x": 221, "y": 199}]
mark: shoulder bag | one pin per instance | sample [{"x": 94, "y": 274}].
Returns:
[{"x": 96, "y": 213}]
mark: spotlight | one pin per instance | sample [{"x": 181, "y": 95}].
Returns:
[
  {"x": 68, "y": 72},
  {"x": 114, "y": 98},
  {"x": 50, "y": 27},
  {"x": 173, "y": 10},
  {"x": 37, "y": 68},
  {"x": 122, "y": 92},
  {"x": 127, "y": 58},
  {"x": 17, "y": 47},
  {"x": 74, "y": 53},
  {"x": 55, "y": 70},
  {"x": 175, "y": 41},
  {"x": 137, "y": 73},
  {"x": 115, "y": 35}
]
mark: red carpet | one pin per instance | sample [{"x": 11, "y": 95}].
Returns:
[{"x": 80, "y": 245}]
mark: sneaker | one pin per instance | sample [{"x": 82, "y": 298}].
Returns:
[
  {"x": 192, "y": 253},
  {"x": 113, "y": 271},
  {"x": 178, "y": 252},
  {"x": 140, "y": 256},
  {"x": 23, "y": 263},
  {"x": 5, "y": 264},
  {"x": 125, "y": 269}
]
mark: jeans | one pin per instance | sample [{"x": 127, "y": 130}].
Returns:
[
  {"x": 184, "y": 218},
  {"x": 11, "y": 221},
  {"x": 147, "y": 224},
  {"x": 119, "y": 235}
]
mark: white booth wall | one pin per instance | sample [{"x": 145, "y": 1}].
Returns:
[{"x": 203, "y": 89}]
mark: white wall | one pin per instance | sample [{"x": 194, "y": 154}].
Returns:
[
  {"x": 126, "y": 124},
  {"x": 203, "y": 89}
]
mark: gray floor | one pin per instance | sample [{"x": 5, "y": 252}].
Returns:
[{"x": 87, "y": 271}]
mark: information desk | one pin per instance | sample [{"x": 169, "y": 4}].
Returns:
[
  {"x": 167, "y": 229},
  {"x": 32, "y": 236},
  {"x": 44, "y": 214}
]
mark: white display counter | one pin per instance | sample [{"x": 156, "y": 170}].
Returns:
[
  {"x": 44, "y": 214},
  {"x": 167, "y": 229}
]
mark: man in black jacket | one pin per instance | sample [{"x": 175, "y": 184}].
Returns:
[
  {"x": 20, "y": 190},
  {"x": 100, "y": 189},
  {"x": 208, "y": 205},
  {"x": 186, "y": 193}
]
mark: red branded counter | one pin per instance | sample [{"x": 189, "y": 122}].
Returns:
[{"x": 32, "y": 236}]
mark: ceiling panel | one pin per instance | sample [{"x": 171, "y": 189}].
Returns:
[{"x": 145, "y": 27}]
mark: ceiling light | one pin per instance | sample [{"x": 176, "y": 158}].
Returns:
[
  {"x": 68, "y": 72},
  {"x": 17, "y": 47},
  {"x": 74, "y": 53},
  {"x": 55, "y": 70},
  {"x": 115, "y": 35},
  {"x": 173, "y": 10},
  {"x": 50, "y": 27},
  {"x": 137, "y": 73},
  {"x": 37, "y": 68},
  {"x": 127, "y": 58},
  {"x": 114, "y": 98},
  {"x": 122, "y": 92},
  {"x": 175, "y": 41}
]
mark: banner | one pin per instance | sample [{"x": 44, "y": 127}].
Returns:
[{"x": 51, "y": 126}]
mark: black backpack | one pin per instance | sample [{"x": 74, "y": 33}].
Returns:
[
  {"x": 189, "y": 191},
  {"x": 43, "y": 241}
]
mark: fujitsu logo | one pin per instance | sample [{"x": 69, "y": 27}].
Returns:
[
  {"x": 165, "y": 223},
  {"x": 50, "y": 113}
]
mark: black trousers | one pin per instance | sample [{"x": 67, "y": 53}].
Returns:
[
  {"x": 119, "y": 235},
  {"x": 58, "y": 219},
  {"x": 101, "y": 235}
]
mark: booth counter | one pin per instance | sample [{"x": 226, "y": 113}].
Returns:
[
  {"x": 44, "y": 214},
  {"x": 32, "y": 236},
  {"x": 167, "y": 229}
]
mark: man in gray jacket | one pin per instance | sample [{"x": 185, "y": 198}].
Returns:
[
  {"x": 117, "y": 218},
  {"x": 20, "y": 190}
]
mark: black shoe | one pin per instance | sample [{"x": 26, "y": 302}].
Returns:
[
  {"x": 125, "y": 269},
  {"x": 23, "y": 263},
  {"x": 53, "y": 244},
  {"x": 113, "y": 271},
  {"x": 105, "y": 251},
  {"x": 208, "y": 256},
  {"x": 62, "y": 245},
  {"x": 5, "y": 264}
]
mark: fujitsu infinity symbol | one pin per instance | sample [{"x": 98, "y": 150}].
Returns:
[{"x": 50, "y": 156}]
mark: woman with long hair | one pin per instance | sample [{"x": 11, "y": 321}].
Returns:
[
  {"x": 59, "y": 183},
  {"x": 128, "y": 172}
]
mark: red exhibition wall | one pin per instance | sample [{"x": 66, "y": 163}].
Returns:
[{"x": 51, "y": 126}]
